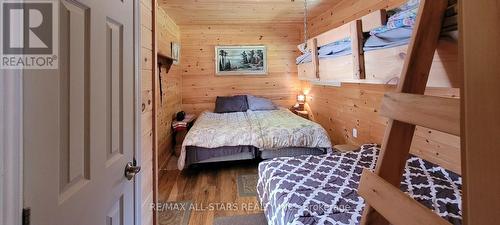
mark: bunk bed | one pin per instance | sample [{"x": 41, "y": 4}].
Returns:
[
  {"x": 337, "y": 55},
  {"x": 374, "y": 49},
  {"x": 380, "y": 186},
  {"x": 329, "y": 56},
  {"x": 386, "y": 48}
]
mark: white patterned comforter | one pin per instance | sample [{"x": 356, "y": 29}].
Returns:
[
  {"x": 212, "y": 130},
  {"x": 267, "y": 130},
  {"x": 281, "y": 129}
]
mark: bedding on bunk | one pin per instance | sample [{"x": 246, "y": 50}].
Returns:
[
  {"x": 335, "y": 49},
  {"x": 398, "y": 29},
  {"x": 389, "y": 39},
  {"x": 323, "y": 189},
  {"x": 263, "y": 130}
]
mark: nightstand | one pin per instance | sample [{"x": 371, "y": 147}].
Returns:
[
  {"x": 181, "y": 129},
  {"x": 302, "y": 113}
]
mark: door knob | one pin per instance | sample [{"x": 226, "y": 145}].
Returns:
[{"x": 131, "y": 170}]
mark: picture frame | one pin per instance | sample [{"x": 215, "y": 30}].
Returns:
[{"x": 241, "y": 60}]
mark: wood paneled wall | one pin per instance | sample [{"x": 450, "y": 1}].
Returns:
[
  {"x": 346, "y": 11},
  {"x": 170, "y": 102},
  {"x": 147, "y": 112},
  {"x": 341, "y": 109},
  {"x": 200, "y": 86}
]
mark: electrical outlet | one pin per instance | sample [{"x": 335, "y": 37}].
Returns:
[{"x": 355, "y": 132}]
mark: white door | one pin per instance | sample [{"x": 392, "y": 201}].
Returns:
[{"x": 79, "y": 120}]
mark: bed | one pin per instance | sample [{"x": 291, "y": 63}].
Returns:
[
  {"x": 332, "y": 50},
  {"x": 217, "y": 137},
  {"x": 373, "y": 49},
  {"x": 334, "y": 55},
  {"x": 386, "y": 48},
  {"x": 323, "y": 189}
]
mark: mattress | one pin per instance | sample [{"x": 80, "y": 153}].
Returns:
[{"x": 323, "y": 189}]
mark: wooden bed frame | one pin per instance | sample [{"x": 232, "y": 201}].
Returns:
[
  {"x": 382, "y": 66},
  {"x": 385, "y": 65},
  {"x": 338, "y": 68},
  {"x": 342, "y": 68}
]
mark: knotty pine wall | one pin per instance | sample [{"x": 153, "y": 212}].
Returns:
[
  {"x": 346, "y": 11},
  {"x": 147, "y": 113},
  {"x": 167, "y": 31},
  {"x": 200, "y": 86},
  {"x": 171, "y": 100},
  {"x": 340, "y": 109}
]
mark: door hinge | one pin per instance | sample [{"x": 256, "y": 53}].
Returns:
[{"x": 26, "y": 216}]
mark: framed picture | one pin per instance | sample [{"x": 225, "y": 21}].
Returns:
[
  {"x": 240, "y": 60},
  {"x": 176, "y": 52}
]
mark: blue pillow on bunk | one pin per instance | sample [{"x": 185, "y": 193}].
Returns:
[
  {"x": 228, "y": 104},
  {"x": 258, "y": 104}
]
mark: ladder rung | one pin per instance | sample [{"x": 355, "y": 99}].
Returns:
[
  {"x": 396, "y": 206},
  {"x": 433, "y": 112}
]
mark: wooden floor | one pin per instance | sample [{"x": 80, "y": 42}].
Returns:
[{"x": 207, "y": 185}]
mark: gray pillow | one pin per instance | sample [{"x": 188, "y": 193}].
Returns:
[
  {"x": 256, "y": 103},
  {"x": 227, "y": 104}
]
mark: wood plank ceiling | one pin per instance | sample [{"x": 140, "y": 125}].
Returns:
[{"x": 185, "y": 12}]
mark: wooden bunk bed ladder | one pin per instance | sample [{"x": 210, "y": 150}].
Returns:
[{"x": 386, "y": 203}]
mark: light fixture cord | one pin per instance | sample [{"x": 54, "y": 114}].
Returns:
[{"x": 305, "y": 24}]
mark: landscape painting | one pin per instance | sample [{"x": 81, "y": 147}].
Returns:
[{"x": 240, "y": 60}]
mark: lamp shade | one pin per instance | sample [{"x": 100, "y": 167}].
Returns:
[{"x": 301, "y": 98}]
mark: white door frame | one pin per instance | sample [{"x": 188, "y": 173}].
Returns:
[
  {"x": 11, "y": 146},
  {"x": 11, "y": 136},
  {"x": 138, "y": 110}
]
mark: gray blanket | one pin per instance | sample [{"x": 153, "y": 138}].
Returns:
[{"x": 389, "y": 39}]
